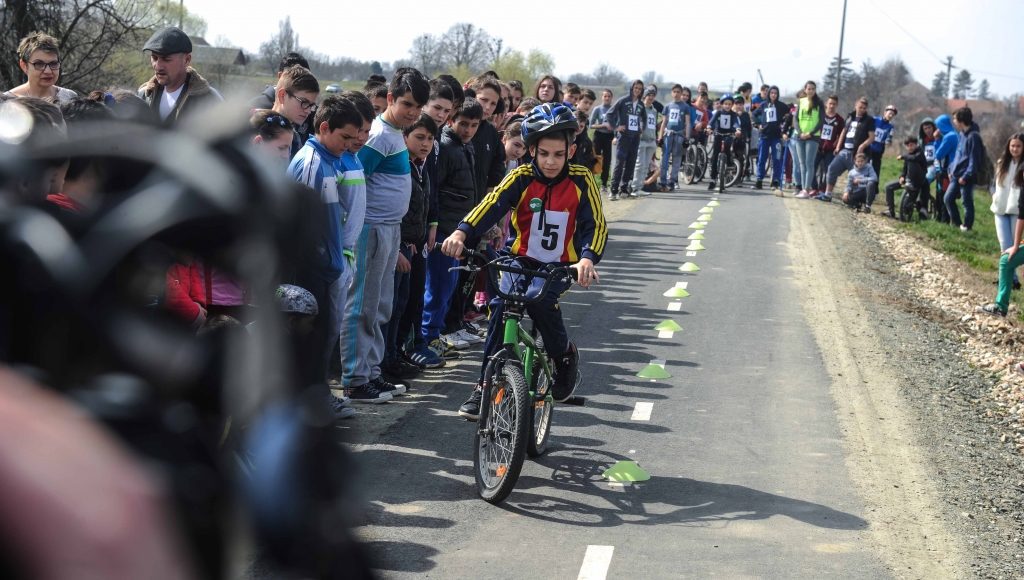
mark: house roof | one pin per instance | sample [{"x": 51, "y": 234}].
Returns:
[
  {"x": 218, "y": 56},
  {"x": 978, "y": 107}
]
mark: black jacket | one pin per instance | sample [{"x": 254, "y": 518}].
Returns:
[
  {"x": 490, "y": 159},
  {"x": 915, "y": 169},
  {"x": 584, "y": 151},
  {"x": 456, "y": 182},
  {"x": 414, "y": 223}
]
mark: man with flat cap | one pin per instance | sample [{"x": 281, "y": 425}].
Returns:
[{"x": 176, "y": 89}]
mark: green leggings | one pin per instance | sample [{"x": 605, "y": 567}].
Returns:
[{"x": 1006, "y": 267}]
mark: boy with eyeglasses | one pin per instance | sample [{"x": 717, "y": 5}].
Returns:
[{"x": 295, "y": 100}]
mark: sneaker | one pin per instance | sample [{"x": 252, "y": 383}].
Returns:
[
  {"x": 401, "y": 370},
  {"x": 759, "y": 184},
  {"x": 341, "y": 410},
  {"x": 643, "y": 193},
  {"x": 923, "y": 214},
  {"x": 888, "y": 213},
  {"x": 443, "y": 349},
  {"x": 454, "y": 341},
  {"x": 368, "y": 394},
  {"x": 813, "y": 193},
  {"x": 565, "y": 374},
  {"x": 964, "y": 228},
  {"x": 628, "y": 190},
  {"x": 867, "y": 209},
  {"x": 470, "y": 410},
  {"x": 427, "y": 358},
  {"x": 469, "y": 337},
  {"x": 474, "y": 316},
  {"x": 613, "y": 197},
  {"x": 711, "y": 186},
  {"x": 385, "y": 386},
  {"x": 992, "y": 309},
  {"x": 802, "y": 194},
  {"x": 775, "y": 185},
  {"x": 825, "y": 197},
  {"x": 778, "y": 192}
]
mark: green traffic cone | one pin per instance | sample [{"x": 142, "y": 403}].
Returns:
[
  {"x": 670, "y": 325},
  {"x": 653, "y": 372},
  {"x": 626, "y": 472},
  {"x": 689, "y": 267}
]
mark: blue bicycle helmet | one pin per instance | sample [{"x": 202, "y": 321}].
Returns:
[{"x": 548, "y": 119}]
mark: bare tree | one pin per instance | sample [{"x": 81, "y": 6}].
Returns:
[
  {"x": 286, "y": 40},
  {"x": 95, "y": 38},
  {"x": 426, "y": 54},
  {"x": 606, "y": 75},
  {"x": 465, "y": 46}
]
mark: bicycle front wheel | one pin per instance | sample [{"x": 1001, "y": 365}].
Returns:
[
  {"x": 689, "y": 166},
  {"x": 503, "y": 429},
  {"x": 702, "y": 163}
]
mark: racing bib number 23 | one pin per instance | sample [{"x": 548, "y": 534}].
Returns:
[{"x": 546, "y": 242}]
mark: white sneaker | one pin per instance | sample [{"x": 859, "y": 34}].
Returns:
[
  {"x": 469, "y": 337},
  {"x": 454, "y": 341}
]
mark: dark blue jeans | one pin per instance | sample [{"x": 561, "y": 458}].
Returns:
[
  {"x": 770, "y": 147},
  {"x": 546, "y": 317},
  {"x": 625, "y": 159},
  {"x": 954, "y": 192}
]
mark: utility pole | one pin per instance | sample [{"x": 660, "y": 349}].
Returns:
[
  {"x": 949, "y": 75},
  {"x": 181, "y": 14},
  {"x": 839, "y": 63}
]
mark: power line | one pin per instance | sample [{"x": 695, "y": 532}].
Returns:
[{"x": 941, "y": 60}]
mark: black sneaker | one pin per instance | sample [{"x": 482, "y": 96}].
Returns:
[
  {"x": 470, "y": 410},
  {"x": 400, "y": 370},
  {"x": 368, "y": 393},
  {"x": 565, "y": 374},
  {"x": 758, "y": 184},
  {"x": 384, "y": 386},
  {"x": 711, "y": 186}
]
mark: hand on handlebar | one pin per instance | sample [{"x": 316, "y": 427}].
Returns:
[
  {"x": 585, "y": 272},
  {"x": 454, "y": 244}
]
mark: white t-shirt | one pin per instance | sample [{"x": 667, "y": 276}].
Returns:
[{"x": 168, "y": 99}]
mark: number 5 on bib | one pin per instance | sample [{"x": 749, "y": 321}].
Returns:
[{"x": 547, "y": 240}]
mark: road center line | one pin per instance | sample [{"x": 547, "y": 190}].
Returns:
[
  {"x": 665, "y": 334},
  {"x": 691, "y": 253},
  {"x": 682, "y": 285},
  {"x": 675, "y": 307},
  {"x": 596, "y": 562},
  {"x": 642, "y": 412}
]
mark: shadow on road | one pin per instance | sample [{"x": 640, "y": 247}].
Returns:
[{"x": 661, "y": 500}]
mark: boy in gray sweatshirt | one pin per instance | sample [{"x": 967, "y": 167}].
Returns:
[{"x": 861, "y": 184}]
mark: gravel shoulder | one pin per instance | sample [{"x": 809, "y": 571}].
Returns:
[{"x": 928, "y": 430}]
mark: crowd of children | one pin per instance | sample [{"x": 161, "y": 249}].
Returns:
[{"x": 402, "y": 164}]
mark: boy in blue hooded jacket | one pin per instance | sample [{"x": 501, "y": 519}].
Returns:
[
  {"x": 963, "y": 172},
  {"x": 943, "y": 159}
]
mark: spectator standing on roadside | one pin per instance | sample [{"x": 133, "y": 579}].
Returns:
[
  {"x": 265, "y": 100},
  {"x": 883, "y": 136},
  {"x": 626, "y": 116},
  {"x": 1006, "y": 195},
  {"x": 604, "y": 134},
  {"x": 648, "y": 142},
  {"x": 769, "y": 122},
  {"x": 295, "y": 99},
  {"x": 675, "y": 132},
  {"x": 944, "y": 154},
  {"x": 859, "y": 133},
  {"x": 176, "y": 89},
  {"x": 549, "y": 90},
  {"x": 963, "y": 172},
  {"x": 1008, "y": 207},
  {"x": 810, "y": 116},
  {"x": 39, "y": 59}
]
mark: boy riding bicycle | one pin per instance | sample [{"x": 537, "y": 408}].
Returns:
[
  {"x": 726, "y": 126},
  {"x": 556, "y": 219}
]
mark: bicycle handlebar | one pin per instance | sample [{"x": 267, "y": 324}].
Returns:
[{"x": 501, "y": 264}]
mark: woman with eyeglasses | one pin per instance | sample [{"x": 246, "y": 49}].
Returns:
[{"x": 39, "y": 59}]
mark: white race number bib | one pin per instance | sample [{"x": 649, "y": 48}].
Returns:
[
  {"x": 771, "y": 115},
  {"x": 546, "y": 243},
  {"x": 826, "y": 132},
  {"x": 633, "y": 123},
  {"x": 652, "y": 121},
  {"x": 673, "y": 116},
  {"x": 725, "y": 122}
]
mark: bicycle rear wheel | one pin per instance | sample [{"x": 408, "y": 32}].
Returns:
[{"x": 500, "y": 441}]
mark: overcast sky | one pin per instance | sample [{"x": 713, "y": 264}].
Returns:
[{"x": 789, "y": 41}]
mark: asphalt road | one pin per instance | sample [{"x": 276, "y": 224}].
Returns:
[{"x": 748, "y": 476}]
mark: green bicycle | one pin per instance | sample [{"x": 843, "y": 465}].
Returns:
[{"x": 516, "y": 407}]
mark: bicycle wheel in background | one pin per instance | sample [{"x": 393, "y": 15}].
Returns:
[
  {"x": 500, "y": 441},
  {"x": 702, "y": 163},
  {"x": 689, "y": 165}
]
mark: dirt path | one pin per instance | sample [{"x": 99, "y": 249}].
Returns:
[{"x": 939, "y": 486}]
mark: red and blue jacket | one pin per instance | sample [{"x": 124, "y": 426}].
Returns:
[{"x": 556, "y": 220}]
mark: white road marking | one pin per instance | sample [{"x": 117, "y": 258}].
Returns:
[
  {"x": 698, "y": 231},
  {"x": 659, "y": 362},
  {"x": 596, "y": 562},
  {"x": 675, "y": 307},
  {"x": 682, "y": 285},
  {"x": 642, "y": 412},
  {"x": 691, "y": 254},
  {"x": 665, "y": 333}
]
